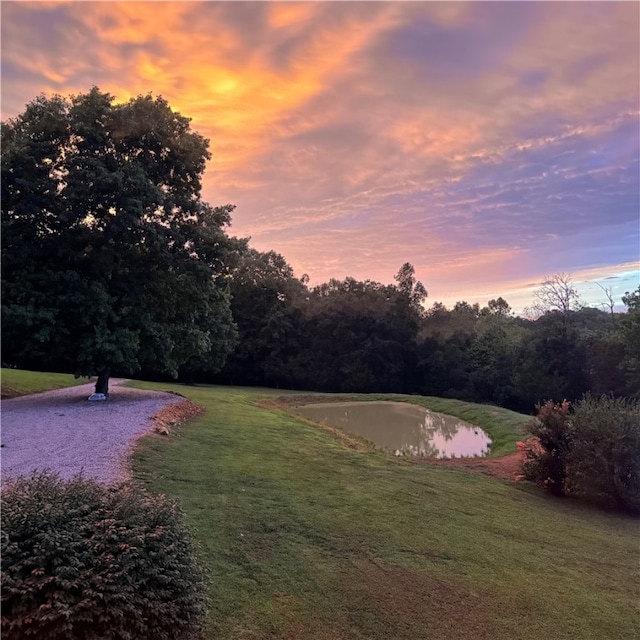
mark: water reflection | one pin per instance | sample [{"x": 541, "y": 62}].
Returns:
[{"x": 403, "y": 428}]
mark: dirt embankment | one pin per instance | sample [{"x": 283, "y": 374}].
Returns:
[
  {"x": 174, "y": 414},
  {"x": 507, "y": 467}
]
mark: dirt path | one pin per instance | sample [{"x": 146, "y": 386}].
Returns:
[{"x": 60, "y": 430}]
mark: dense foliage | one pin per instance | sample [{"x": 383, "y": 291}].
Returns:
[
  {"x": 83, "y": 562},
  {"x": 591, "y": 451},
  {"x": 110, "y": 259},
  {"x": 363, "y": 336},
  {"x": 604, "y": 458},
  {"x": 339, "y": 336}
]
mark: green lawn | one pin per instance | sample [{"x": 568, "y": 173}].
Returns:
[
  {"x": 15, "y": 382},
  {"x": 305, "y": 537}
]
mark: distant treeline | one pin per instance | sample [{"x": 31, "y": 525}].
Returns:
[{"x": 353, "y": 336}]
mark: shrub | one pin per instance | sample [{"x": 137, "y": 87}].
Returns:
[
  {"x": 80, "y": 561},
  {"x": 592, "y": 452},
  {"x": 604, "y": 459},
  {"x": 545, "y": 462}
]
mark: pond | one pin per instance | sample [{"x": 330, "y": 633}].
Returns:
[{"x": 403, "y": 428}]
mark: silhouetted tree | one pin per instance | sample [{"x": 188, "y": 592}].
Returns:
[
  {"x": 110, "y": 259},
  {"x": 557, "y": 293}
]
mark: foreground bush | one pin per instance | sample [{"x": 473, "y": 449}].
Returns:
[
  {"x": 80, "y": 561},
  {"x": 592, "y": 451}
]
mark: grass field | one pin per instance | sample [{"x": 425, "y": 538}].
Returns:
[
  {"x": 15, "y": 382},
  {"x": 307, "y": 537}
]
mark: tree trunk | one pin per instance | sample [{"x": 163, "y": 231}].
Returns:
[
  {"x": 187, "y": 375},
  {"x": 102, "y": 384}
]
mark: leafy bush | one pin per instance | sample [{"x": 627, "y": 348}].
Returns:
[
  {"x": 592, "y": 452},
  {"x": 546, "y": 457},
  {"x": 80, "y": 561},
  {"x": 604, "y": 459}
]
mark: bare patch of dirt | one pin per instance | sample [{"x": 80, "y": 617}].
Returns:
[
  {"x": 507, "y": 467},
  {"x": 174, "y": 414},
  {"x": 9, "y": 392}
]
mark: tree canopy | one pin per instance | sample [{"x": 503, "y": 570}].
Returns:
[{"x": 110, "y": 258}]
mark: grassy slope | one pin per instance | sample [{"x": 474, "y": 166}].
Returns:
[
  {"x": 15, "y": 382},
  {"x": 305, "y": 538}
]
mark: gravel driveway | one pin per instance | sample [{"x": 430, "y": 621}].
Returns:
[{"x": 61, "y": 430}]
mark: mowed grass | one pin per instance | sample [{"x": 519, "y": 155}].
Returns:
[
  {"x": 16, "y": 382},
  {"x": 305, "y": 537}
]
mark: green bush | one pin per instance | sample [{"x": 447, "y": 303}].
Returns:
[
  {"x": 604, "y": 458},
  {"x": 80, "y": 561},
  {"x": 591, "y": 451}
]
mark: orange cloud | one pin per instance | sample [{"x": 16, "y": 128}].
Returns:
[
  {"x": 440, "y": 134},
  {"x": 290, "y": 14},
  {"x": 236, "y": 98},
  {"x": 135, "y": 22}
]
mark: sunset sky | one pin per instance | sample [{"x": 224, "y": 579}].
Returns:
[{"x": 488, "y": 143}]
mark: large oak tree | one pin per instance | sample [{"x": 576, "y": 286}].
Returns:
[{"x": 110, "y": 258}]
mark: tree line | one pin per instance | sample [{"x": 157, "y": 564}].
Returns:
[
  {"x": 113, "y": 263},
  {"x": 363, "y": 336}
]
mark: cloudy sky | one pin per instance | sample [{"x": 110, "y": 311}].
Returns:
[{"x": 488, "y": 143}]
